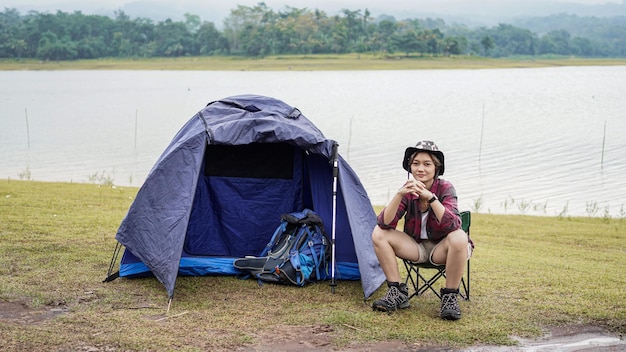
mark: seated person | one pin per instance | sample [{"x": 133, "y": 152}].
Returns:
[{"x": 432, "y": 230}]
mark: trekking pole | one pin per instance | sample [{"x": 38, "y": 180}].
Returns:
[{"x": 332, "y": 243}]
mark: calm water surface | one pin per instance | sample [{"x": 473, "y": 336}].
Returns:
[{"x": 543, "y": 141}]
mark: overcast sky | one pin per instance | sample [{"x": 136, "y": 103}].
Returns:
[
  {"x": 217, "y": 10},
  {"x": 297, "y": 3}
]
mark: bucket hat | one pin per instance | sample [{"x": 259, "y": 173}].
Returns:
[{"x": 425, "y": 146}]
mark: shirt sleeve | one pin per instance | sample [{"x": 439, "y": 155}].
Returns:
[
  {"x": 399, "y": 214},
  {"x": 451, "y": 219}
]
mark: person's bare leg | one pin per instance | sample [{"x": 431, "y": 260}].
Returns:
[
  {"x": 453, "y": 252},
  {"x": 389, "y": 244}
]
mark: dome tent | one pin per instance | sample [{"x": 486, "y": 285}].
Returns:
[{"x": 218, "y": 190}]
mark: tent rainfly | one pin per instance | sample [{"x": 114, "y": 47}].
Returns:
[{"x": 218, "y": 190}]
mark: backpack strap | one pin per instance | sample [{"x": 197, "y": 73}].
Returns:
[
  {"x": 313, "y": 254},
  {"x": 300, "y": 241},
  {"x": 279, "y": 231}
]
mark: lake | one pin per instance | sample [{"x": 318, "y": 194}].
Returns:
[{"x": 540, "y": 141}]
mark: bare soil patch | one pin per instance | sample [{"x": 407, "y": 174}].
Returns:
[
  {"x": 318, "y": 338},
  {"x": 19, "y": 312},
  {"x": 289, "y": 338}
]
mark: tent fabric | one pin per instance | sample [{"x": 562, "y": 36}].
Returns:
[{"x": 218, "y": 190}]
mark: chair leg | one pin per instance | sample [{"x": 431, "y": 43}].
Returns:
[
  {"x": 421, "y": 284},
  {"x": 428, "y": 284},
  {"x": 467, "y": 288},
  {"x": 413, "y": 277}
]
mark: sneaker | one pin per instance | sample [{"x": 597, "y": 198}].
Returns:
[
  {"x": 449, "y": 305},
  {"x": 397, "y": 297}
]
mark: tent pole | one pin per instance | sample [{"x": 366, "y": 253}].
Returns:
[
  {"x": 116, "y": 253},
  {"x": 333, "y": 284}
]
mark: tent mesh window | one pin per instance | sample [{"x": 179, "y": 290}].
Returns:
[{"x": 257, "y": 160}]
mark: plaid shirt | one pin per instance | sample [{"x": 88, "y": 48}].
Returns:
[{"x": 409, "y": 208}]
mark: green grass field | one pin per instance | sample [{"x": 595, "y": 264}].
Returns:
[
  {"x": 306, "y": 63},
  {"x": 56, "y": 242}
]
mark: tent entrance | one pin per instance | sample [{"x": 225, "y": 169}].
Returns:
[{"x": 241, "y": 193}]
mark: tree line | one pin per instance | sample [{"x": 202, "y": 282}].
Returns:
[{"x": 257, "y": 31}]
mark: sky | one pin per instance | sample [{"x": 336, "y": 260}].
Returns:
[
  {"x": 216, "y": 10},
  {"x": 299, "y": 3}
]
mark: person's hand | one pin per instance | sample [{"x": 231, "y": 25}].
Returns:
[
  {"x": 408, "y": 187},
  {"x": 416, "y": 187}
]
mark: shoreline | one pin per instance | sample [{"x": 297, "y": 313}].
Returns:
[{"x": 346, "y": 62}]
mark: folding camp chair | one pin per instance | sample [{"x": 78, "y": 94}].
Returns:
[{"x": 422, "y": 283}]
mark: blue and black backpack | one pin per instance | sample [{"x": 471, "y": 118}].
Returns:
[{"x": 298, "y": 252}]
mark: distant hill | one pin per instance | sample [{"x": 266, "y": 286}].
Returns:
[
  {"x": 473, "y": 13},
  {"x": 589, "y": 26}
]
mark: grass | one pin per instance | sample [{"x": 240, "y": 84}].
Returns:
[
  {"x": 56, "y": 242},
  {"x": 306, "y": 63}
]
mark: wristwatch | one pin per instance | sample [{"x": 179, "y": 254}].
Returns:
[{"x": 434, "y": 198}]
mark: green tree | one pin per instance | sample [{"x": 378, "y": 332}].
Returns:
[
  {"x": 454, "y": 45},
  {"x": 510, "y": 40},
  {"x": 487, "y": 43},
  {"x": 210, "y": 41},
  {"x": 433, "y": 40},
  {"x": 52, "y": 48},
  {"x": 131, "y": 38},
  {"x": 91, "y": 48},
  {"x": 290, "y": 31},
  {"x": 354, "y": 25},
  {"x": 252, "y": 41},
  {"x": 581, "y": 46},
  {"x": 555, "y": 42},
  {"x": 407, "y": 37},
  {"x": 258, "y": 31},
  {"x": 192, "y": 22},
  {"x": 244, "y": 26},
  {"x": 383, "y": 36},
  {"x": 172, "y": 39},
  {"x": 11, "y": 43}
]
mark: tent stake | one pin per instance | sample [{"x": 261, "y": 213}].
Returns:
[{"x": 169, "y": 304}]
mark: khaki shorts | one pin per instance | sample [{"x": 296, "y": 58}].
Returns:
[{"x": 426, "y": 249}]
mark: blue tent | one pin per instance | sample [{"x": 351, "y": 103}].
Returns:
[{"x": 218, "y": 190}]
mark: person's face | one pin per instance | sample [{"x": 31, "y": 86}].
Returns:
[{"x": 423, "y": 167}]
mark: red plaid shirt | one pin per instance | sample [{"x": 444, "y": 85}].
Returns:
[{"x": 409, "y": 209}]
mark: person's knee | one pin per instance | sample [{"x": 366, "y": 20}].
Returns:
[
  {"x": 378, "y": 235},
  {"x": 457, "y": 239}
]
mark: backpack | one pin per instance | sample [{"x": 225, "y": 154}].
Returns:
[{"x": 298, "y": 252}]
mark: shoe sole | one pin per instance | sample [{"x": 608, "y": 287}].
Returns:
[
  {"x": 450, "y": 315},
  {"x": 385, "y": 309}
]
